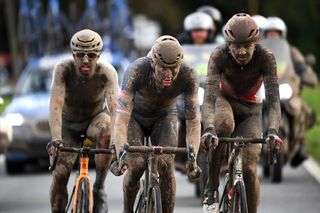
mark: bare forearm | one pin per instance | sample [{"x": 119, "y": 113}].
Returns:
[
  {"x": 120, "y": 129},
  {"x": 55, "y": 118},
  {"x": 210, "y": 95},
  {"x": 121, "y": 120},
  {"x": 193, "y": 132}
]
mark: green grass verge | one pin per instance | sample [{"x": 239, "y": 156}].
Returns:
[
  {"x": 312, "y": 97},
  {"x": 4, "y": 105}
]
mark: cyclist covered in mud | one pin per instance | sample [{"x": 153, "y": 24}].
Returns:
[
  {"x": 146, "y": 106},
  {"x": 232, "y": 104},
  {"x": 83, "y": 100}
]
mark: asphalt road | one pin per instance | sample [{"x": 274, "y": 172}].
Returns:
[{"x": 29, "y": 193}]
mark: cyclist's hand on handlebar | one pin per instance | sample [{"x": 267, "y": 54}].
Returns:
[
  {"x": 118, "y": 169},
  {"x": 120, "y": 166},
  {"x": 193, "y": 170},
  {"x": 53, "y": 147},
  {"x": 277, "y": 142},
  {"x": 208, "y": 139}
]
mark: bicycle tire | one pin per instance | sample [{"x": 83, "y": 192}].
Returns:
[
  {"x": 239, "y": 199},
  {"x": 83, "y": 199},
  {"x": 154, "y": 200},
  {"x": 140, "y": 204},
  {"x": 224, "y": 202}
]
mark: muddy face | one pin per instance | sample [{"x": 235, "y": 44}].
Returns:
[
  {"x": 164, "y": 76},
  {"x": 86, "y": 63},
  {"x": 242, "y": 52}
]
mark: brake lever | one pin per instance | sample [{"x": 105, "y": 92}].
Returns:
[
  {"x": 53, "y": 158},
  {"x": 191, "y": 156},
  {"x": 273, "y": 159},
  {"x": 53, "y": 161}
]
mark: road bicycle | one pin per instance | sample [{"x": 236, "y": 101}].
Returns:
[
  {"x": 82, "y": 191},
  {"x": 234, "y": 199},
  {"x": 148, "y": 199}
]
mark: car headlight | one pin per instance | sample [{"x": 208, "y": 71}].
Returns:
[
  {"x": 200, "y": 95},
  {"x": 14, "y": 119}
]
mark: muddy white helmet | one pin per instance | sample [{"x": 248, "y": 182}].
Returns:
[
  {"x": 198, "y": 20},
  {"x": 241, "y": 28},
  {"x": 86, "y": 40},
  {"x": 167, "y": 51},
  {"x": 261, "y": 21},
  {"x": 276, "y": 23},
  {"x": 211, "y": 11}
]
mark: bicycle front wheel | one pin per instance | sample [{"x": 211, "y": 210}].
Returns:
[
  {"x": 140, "y": 203},
  {"x": 239, "y": 199},
  {"x": 82, "y": 202},
  {"x": 154, "y": 200}
]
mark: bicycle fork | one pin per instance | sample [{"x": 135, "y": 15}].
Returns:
[
  {"x": 83, "y": 173},
  {"x": 235, "y": 166}
]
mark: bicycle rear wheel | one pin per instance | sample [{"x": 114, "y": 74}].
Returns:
[
  {"x": 154, "y": 200},
  {"x": 83, "y": 199},
  {"x": 239, "y": 199}
]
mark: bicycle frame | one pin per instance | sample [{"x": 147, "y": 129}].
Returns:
[
  {"x": 151, "y": 175},
  {"x": 235, "y": 173},
  {"x": 83, "y": 172},
  {"x": 236, "y": 159}
]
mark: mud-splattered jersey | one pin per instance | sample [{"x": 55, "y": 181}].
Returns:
[
  {"x": 243, "y": 82},
  {"x": 141, "y": 95},
  {"x": 84, "y": 98},
  {"x": 149, "y": 98}
]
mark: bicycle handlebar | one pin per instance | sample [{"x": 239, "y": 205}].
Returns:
[
  {"x": 272, "y": 159},
  {"x": 242, "y": 140},
  {"x": 86, "y": 150},
  {"x": 157, "y": 149}
]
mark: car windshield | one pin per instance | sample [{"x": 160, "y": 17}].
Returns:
[{"x": 37, "y": 82}]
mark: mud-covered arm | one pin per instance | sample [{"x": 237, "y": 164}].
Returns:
[
  {"x": 124, "y": 108},
  {"x": 272, "y": 93},
  {"x": 211, "y": 92},
  {"x": 112, "y": 91},
  {"x": 192, "y": 111},
  {"x": 57, "y": 101}
]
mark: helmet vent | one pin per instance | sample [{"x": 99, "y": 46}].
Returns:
[
  {"x": 85, "y": 41},
  {"x": 241, "y": 14},
  {"x": 229, "y": 33},
  {"x": 251, "y": 32}
]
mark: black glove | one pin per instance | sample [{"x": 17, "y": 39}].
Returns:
[{"x": 53, "y": 146}]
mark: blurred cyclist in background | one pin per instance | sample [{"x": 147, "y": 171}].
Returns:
[
  {"x": 199, "y": 29},
  {"x": 261, "y": 22},
  {"x": 216, "y": 16},
  {"x": 303, "y": 117}
]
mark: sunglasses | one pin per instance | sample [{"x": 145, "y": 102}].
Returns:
[{"x": 91, "y": 55}]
